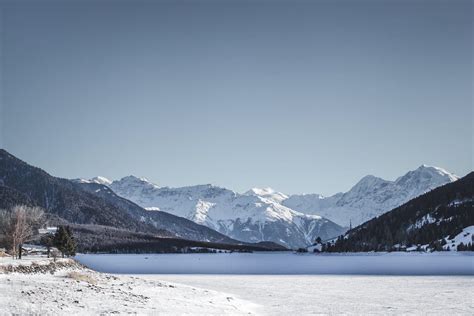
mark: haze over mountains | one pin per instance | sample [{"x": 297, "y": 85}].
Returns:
[{"x": 265, "y": 214}]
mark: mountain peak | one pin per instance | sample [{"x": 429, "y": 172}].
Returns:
[
  {"x": 368, "y": 181},
  {"x": 370, "y": 177},
  {"x": 134, "y": 181},
  {"x": 101, "y": 180},
  {"x": 260, "y": 191},
  {"x": 437, "y": 170},
  {"x": 425, "y": 172},
  {"x": 267, "y": 193},
  {"x": 134, "y": 178}
]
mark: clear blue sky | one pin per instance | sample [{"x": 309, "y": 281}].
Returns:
[{"x": 303, "y": 96}]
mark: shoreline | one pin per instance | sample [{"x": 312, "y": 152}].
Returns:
[{"x": 66, "y": 287}]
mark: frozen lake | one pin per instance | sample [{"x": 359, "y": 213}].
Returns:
[
  {"x": 444, "y": 263},
  {"x": 287, "y": 283},
  {"x": 342, "y": 294}
]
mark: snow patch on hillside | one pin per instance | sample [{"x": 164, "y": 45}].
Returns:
[
  {"x": 465, "y": 237},
  {"x": 425, "y": 220}
]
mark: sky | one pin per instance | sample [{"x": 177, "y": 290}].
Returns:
[{"x": 301, "y": 96}]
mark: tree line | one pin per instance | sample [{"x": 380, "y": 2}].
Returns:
[
  {"x": 20, "y": 224},
  {"x": 428, "y": 222}
]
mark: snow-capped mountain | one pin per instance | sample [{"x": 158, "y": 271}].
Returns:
[
  {"x": 371, "y": 196},
  {"x": 256, "y": 215},
  {"x": 440, "y": 219},
  {"x": 266, "y": 214},
  {"x": 98, "y": 180},
  {"x": 101, "y": 180},
  {"x": 268, "y": 193}
]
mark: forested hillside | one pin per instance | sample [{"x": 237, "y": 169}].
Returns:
[
  {"x": 430, "y": 222},
  {"x": 97, "y": 207}
]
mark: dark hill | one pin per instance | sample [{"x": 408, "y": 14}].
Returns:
[
  {"x": 93, "y": 205},
  {"x": 425, "y": 220}
]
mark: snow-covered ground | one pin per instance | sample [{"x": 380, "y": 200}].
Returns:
[
  {"x": 287, "y": 283},
  {"x": 302, "y": 292},
  {"x": 395, "y": 263},
  {"x": 343, "y": 295},
  {"x": 91, "y": 293}
]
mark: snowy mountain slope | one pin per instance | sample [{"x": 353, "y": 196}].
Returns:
[
  {"x": 101, "y": 180},
  {"x": 252, "y": 217},
  {"x": 97, "y": 180},
  {"x": 440, "y": 219},
  {"x": 177, "y": 225},
  {"x": 371, "y": 196},
  {"x": 265, "y": 214},
  {"x": 268, "y": 193}
]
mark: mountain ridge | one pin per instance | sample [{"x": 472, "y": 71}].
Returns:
[
  {"x": 440, "y": 219},
  {"x": 372, "y": 196},
  {"x": 266, "y": 214},
  {"x": 249, "y": 217},
  {"x": 85, "y": 202}
]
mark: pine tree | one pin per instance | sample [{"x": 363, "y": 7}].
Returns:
[
  {"x": 71, "y": 243},
  {"x": 64, "y": 241}
]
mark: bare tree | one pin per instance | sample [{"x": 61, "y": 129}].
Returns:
[{"x": 18, "y": 225}]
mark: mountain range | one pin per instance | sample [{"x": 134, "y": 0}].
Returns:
[
  {"x": 266, "y": 214},
  {"x": 95, "y": 207},
  {"x": 248, "y": 217},
  {"x": 135, "y": 207}
]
